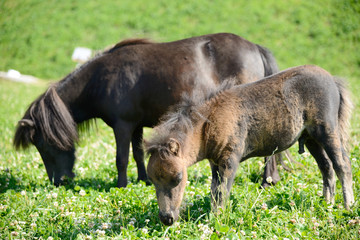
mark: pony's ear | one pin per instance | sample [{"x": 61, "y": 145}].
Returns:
[
  {"x": 174, "y": 146},
  {"x": 26, "y": 123}
]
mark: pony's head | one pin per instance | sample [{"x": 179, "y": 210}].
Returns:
[
  {"x": 49, "y": 126},
  {"x": 168, "y": 173}
]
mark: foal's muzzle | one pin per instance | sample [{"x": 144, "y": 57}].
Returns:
[{"x": 168, "y": 219}]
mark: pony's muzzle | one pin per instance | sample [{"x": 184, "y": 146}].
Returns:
[{"x": 168, "y": 218}]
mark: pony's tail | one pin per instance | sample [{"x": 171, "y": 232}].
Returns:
[
  {"x": 269, "y": 61},
  {"x": 345, "y": 109}
]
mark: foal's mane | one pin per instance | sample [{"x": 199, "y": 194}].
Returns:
[
  {"x": 181, "y": 119},
  {"x": 49, "y": 116}
]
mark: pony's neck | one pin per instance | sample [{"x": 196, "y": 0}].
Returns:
[
  {"x": 71, "y": 91},
  {"x": 71, "y": 87}
]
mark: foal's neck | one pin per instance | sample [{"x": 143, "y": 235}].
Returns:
[{"x": 196, "y": 140}]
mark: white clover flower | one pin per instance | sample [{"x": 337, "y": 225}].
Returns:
[
  {"x": 54, "y": 195},
  {"x": 56, "y": 204},
  {"x": 269, "y": 179},
  {"x": 23, "y": 193},
  {"x": 105, "y": 226},
  {"x": 145, "y": 230},
  {"x": 50, "y": 238},
  {"x": 34, "y": 215},
  {"x": 81, "y": 170},
  {"x": 82, "y": 193},
  {"x": 100, "y": 232},
  {"x": 264, "y": 206}
]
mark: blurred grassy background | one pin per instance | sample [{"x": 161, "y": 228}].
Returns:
[{"x": 38, "y": 37}]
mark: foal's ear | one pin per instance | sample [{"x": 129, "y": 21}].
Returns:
[
  {"x": 174, "y": 146},
  {"x": 26, "y": 123}
]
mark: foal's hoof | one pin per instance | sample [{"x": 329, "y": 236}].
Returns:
[{"x": 265, "y": 185}]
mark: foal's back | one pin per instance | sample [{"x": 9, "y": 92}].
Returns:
[{"x": 274, "y": 111}]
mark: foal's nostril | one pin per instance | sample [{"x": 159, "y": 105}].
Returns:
[{"x": 166, "y": 218}]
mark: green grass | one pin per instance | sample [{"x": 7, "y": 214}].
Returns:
[{"x": 38, "y": 37}]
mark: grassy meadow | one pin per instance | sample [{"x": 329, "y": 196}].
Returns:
[{"x": 38, "y": 38}]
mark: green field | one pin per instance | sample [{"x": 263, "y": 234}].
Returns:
[{"x": 38, "y": 37}]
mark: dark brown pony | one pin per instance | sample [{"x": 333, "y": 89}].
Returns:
[
  {"x": 303, "y": 103},
  {"x": 131, "y": 86}
]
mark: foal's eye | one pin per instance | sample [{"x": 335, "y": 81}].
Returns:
[{"x": 177, "y": 179}]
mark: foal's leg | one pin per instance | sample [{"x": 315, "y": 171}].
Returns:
[
  {"x": 342, "y": 166},
  {"x": 123, "y": 132},
  {"x": 325, "y": 167},
  {"x": 341, "y": 163},
  {"x": 270, "y": 170},
  {"x": 222, "y": 179},
  {"x": 139, "y": 153}
]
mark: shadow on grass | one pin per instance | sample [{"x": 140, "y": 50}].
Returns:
[{"x": 12, "y": 181}]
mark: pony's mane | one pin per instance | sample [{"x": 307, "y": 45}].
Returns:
[
  {"x": 49, "y": 116},
  {"x": 181, "y": 118},
  {"x": 128, "y": 42}
]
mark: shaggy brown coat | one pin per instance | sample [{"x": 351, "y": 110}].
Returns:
[{"x": 255, "y": 119}]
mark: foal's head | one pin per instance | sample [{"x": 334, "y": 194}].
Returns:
[{"x": 167, "y": 171}]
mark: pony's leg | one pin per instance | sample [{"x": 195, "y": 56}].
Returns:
[
  {"x": 341, "y": 163},
  {"x": 270, "y": 171},
  {"x": 222, "y": 179},
  {"x": 325, "y": 167},
  {"x": 123, "y": 133},
  {"x": 139, "y": 153}
]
